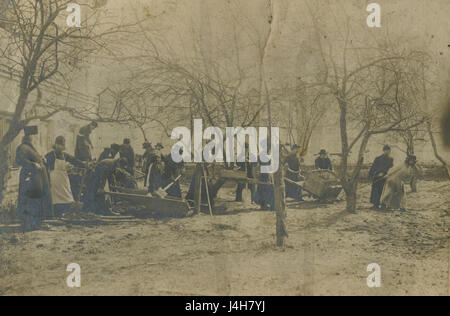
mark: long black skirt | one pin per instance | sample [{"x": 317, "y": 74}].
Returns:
[{"x": 377, "y": 191}]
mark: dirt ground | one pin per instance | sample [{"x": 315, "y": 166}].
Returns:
[{"x": 327, "y": 254}]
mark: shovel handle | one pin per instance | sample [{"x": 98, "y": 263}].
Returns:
[{"x": 170, "y": 185}]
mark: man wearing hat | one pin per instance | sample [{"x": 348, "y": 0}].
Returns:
[
  {"x": 377, "y": 175},
  {"x": 83, "y": 152},
  {"x": 323, "y": 162},
  {"x": 34, "y": 200},
  {"x": 158, "y": 148},
  {"x": 83, "y": 146},
  {"x": 57, "y": 162},
  {"x": 109, "y": 152}
]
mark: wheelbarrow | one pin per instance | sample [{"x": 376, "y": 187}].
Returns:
[
  {"x": 167, "y": 206},
  {"x": 323, "y": 185}
]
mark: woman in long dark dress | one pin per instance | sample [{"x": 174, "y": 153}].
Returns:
[
  {"x": 34, "y": 201},
  {"x": 293, "y": 173},
  {"x": 265, "y": 194}
]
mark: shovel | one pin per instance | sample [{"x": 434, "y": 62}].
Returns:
[{"x": 161, "y": 192}]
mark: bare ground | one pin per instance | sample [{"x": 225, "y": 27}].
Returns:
[{"x": 328, "y": 253}]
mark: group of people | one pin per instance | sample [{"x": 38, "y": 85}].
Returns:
[
  {"x": 44, "y": 187},
  {"x": 162, "y": 174},
  {"x": 388, "y": 183},
  {"x": 263, "y": 194},
  {"x": 47, "y": 190}
]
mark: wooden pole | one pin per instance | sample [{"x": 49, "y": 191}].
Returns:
[
  {"x": 207, "y": 190},
  {"x": 198, "y": 189},
  {"x": 280, "y": 207}
]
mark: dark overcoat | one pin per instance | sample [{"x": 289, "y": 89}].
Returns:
[
  {"x": 34, "y": 200},
  {"x": 378, "y": 171},
  {"x": 293, "y": 174}
]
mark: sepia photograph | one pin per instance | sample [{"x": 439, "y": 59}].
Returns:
[{"x": 224, "y": 152}]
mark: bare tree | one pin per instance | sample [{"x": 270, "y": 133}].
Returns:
[
  {"x": 218, "y": 89},
  {"x": 37, "y": 49},
  {"x": 307, "y": 108},
  {"x": 364, "y": 87},
  {"x": 446, "y": 126}
]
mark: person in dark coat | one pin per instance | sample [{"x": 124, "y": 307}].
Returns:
[
  {"x": 152, "y": 156},
  {"x": 34, "y": 200},
  {"x": 94, "y": 201},
  {"x": 127, "y": 152},
  {"x": 172, "y": 171},
  {"x": 377, "y": 174},
  {"x": 83, "y": 152},
  {"x": 161, "y": 175},
  {"x": 106, "y": 154},
  {"x": 293, "y": 173},
  {"x": 323, "y": 162},
  {"x": 110, "y": 152},
  {"x": 57, "y": 162},
  {"x": 158, "y": 151},
  {"x": 83, "y": 146}
]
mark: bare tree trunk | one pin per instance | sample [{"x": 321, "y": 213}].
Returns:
[
  {"x": 351, "y": 183},
  {"x": 352, "y": 200},
  {"x": 5, "y": 142},
  {"x": 413, "y": 182},
  {"x": 278, "y": 179},
  {"x": 347, "y": 182},
  {"x": 198, "y": 188},
  {"x": 14, "y": 129},
  {"x": 411, "y": 151},
  {"x": 435, "y": 149},
  {"x": 4, "y": 168},
  {"x": 280, "y": 207}
]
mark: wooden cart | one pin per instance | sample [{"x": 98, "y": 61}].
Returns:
[
  {"x": 168, "y": 206},
  {"x": 323, "y": 184}
]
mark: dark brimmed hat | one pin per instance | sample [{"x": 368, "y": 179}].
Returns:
[
  {"x": 30, "y": 130},
  {"x": 386, "y": 147},
  {"x": 323, "y": 152},
  {"x": 127, "y": 141}
]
